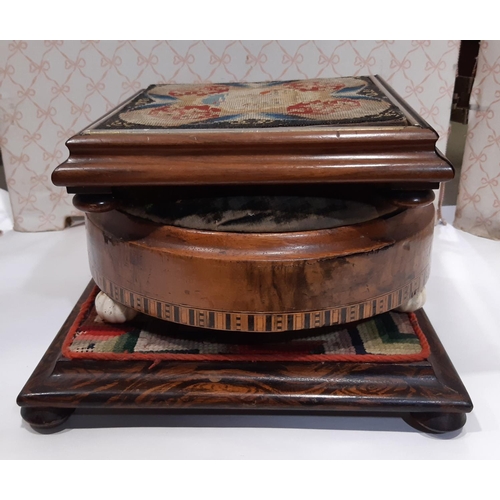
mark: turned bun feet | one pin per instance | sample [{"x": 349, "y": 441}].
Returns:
[
  {"x": 46, "y": 419},
  {"x": 435, "y": 422}
]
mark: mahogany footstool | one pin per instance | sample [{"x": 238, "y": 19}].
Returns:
[{"x": 259, "y": 208}]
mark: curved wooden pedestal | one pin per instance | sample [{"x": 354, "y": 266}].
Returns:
[
  {"x": 261, "y": 282},
  {"x": 429, "y": 394}
]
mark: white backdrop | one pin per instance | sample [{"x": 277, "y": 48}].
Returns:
[{"x": 49, "y": 90}]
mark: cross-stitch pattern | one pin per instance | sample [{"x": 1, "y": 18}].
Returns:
[
  {"x": 321, "y": 101},
  {"x": 389, "y": 337}
]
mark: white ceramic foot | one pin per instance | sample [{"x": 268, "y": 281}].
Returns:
[
  {"x": 111, "y": 311},
  {"x": 416, "y": 302}
]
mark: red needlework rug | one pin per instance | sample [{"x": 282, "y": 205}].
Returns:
[{"x": 390, "y": 337}]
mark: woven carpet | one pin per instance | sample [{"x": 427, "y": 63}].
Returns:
[
  {"x": 390, "y": 337},
  {"x": 322, "y": 101}
]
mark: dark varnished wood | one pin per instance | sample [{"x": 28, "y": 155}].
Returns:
[
  {"x": 426, "y": 390},
  {"x": 94, "y": 203},
  {"x": 275, "y": 273},
  {"x": 410, "y": 199},
  {"x": 45, "y": 418},
  {"x": 435, "y": 422},
  {"x": 141, "y": 168}
]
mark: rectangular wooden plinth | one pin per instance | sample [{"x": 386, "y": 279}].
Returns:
[{"x": 430, "y": 389}]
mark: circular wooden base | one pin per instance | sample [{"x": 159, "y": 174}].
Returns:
[
  {"x": 261, "y": 282},
  {"x": 435, "y": 422},
  {"x": 45, "y": 419}
]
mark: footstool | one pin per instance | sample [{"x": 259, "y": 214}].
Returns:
[{"x": 262, "y": 208}]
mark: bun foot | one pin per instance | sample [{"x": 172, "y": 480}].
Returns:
[
  {"x": 45, "y": 419},
  {"x": 436, "y": 423}
]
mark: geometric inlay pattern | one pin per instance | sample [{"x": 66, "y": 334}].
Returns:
[
  {"x": 389, "y": 337},
  {"x": 261, "y": 322}
]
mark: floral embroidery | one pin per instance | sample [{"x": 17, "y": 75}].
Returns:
[
  {"x": 187, "y": 114},
  {"x": 321, "y": 101},
  {"x": 313, "y": 86},
  {"x": 195, "y": 90},
  {"x": 323, "y": 108}
]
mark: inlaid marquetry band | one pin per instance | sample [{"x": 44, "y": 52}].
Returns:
[{"x": 261, "y": 322}]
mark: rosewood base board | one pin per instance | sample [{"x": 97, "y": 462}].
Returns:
[{"x": 428, "y": 395}]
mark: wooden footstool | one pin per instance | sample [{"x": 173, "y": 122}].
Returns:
[{"x": 263, "y": 208}]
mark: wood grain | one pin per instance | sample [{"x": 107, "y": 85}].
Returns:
[
  {"x": 351, "y": 271},
  {"x": 431, "y": 387}
]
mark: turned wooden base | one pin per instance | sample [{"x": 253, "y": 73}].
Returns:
[
  {"x": 290, "y": 279},
  {"x": 429, "y": 395}
]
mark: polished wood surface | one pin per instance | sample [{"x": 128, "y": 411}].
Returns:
[
  {"x": 94, "y": 202},
  {"x": 373, "y": 153},
  {"x": 352, "y": 271},
  {"x": 410, "y": 199},
  {"x": 404, "y": 154},
  {"x": 428, "y": 394},
  {"x": 335, "y": 275},
  {"x": 340, "y": 274}
]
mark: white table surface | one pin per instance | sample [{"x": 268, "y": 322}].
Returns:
[{"x": 43, "y": 274}]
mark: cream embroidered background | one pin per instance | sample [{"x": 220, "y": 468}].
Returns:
[
  {"x": 49, "y": 90},
  {"x": 478, "y": 205}
]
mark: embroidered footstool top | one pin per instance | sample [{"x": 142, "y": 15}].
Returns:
[
  {"x": 351, "y": 129},
  {"x": 258, "y": 207},
  {"x": 337, "y": 101}
]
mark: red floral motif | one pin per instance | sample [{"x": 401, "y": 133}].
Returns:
[
  {"x": 200, "y": 91},
  {"x": 187, "y": 113},
  {"x": 323, "y": 108},
  {"x": 313, "y": 86}
]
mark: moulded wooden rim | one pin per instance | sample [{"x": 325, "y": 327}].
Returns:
[{"x": 369, "y": 153}]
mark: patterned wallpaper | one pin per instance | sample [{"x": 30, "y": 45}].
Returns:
[
  {"x": 478, "y": 205},
  {"x": 49, "y": 90}
]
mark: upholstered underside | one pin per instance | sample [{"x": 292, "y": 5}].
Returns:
[{"x": 258, "y": 214}]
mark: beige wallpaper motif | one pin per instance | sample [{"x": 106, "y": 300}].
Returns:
[
  {"x": 49, "y": 90},
  {"x": 478, "y": 205}
]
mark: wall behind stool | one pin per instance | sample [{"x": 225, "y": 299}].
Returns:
[
  {"x": 478, "y": 204},
  {"x": 49, "y": 90}
]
